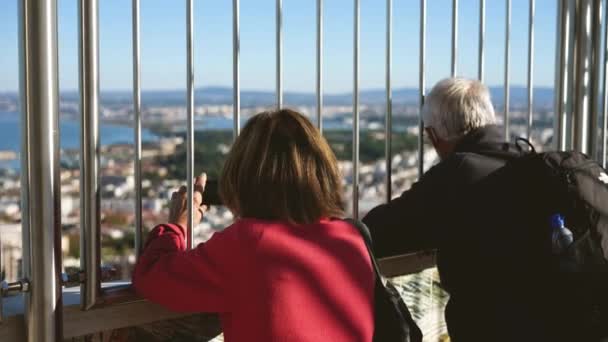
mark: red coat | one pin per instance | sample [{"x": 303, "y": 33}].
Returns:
[{"x": 270, "y": 281}]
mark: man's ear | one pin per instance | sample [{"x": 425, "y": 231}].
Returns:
[
  {"x": 432, "y": 135},
  {"x": 442, "y": 147}
]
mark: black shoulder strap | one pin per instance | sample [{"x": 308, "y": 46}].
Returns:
[{"x": 367, "y": 237}]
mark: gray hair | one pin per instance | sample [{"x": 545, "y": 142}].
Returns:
[{"x": 456, "y": 106}]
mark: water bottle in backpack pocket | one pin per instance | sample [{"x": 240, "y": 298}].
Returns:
[
  {"x": 561, "y": 241},
  {"x": 561, "y": 237}
]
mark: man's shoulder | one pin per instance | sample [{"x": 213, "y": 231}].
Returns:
[
  {"x": 447, "y": 165},
  {"x": 474, "y": 166}
]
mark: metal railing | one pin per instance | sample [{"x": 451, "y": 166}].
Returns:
[
  {"x": 190, "y": 120},
  {"x": 482, "y": 40},
  {"x": 577, "y": 58},
  {"x": 90, "y": 238},
  {"x": 507, "y": 87},
  {"x": 236, "y": 85},
  {"x": 279, "y": 51},
  {"x": 604, "y": 138},
  {"x": 579, "y": 89},
  {"x": 454, "y": 63},
  {"x": 137, "y": 129},
  {"x": 421, "y": 85},
  {"x": 355, "y": 175},
  {"x": 389, "y": 101},
  {"x": 319, "y": 65},
  {"x": 39, "y": 100},
  {"x": 530, "y": 120}
]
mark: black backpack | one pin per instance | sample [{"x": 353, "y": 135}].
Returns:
[
  {"x": 392, "y": 319},
  {"x": 496, "y": 259}
]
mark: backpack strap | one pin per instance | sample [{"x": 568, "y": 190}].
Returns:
[
  {"x": 367, "y": 237},
  {"x": 527, "y": 143}
]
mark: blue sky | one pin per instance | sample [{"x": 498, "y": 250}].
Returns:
[{"x": 164, "y": 43}]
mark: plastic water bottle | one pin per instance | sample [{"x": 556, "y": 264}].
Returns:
[{"x": 561, "y": 237}]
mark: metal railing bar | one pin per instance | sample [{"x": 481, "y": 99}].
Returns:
[
  {"x": 25, "y": 151},
  {"x": 570, "y": 69},
  {"x": 507, "y": 65},
  {"x": 454, "y": 63},
  {"x": 422, "y": 86},
  {"x": 530, "y": 122},
  {"x": 236, "y": 84},
  {"x": 482, "y": 39},
  {"x": 584, "y": 77},
  {"x": 593, "y": 125},
  {"x": 561, "y": 74},
  {"x": 389, "y": 100},
  {"x": 356, "y": 22},
  {"x": 604, "y": 137},
  {"x": 319, "y": 71},
  {"x": 89, "y": 167},
  {"x": 41, "y": 219},
  {"x": 137, "y": 128},
  {"x": 190, "y": 118},
  {"x": 279, "y": 51}
]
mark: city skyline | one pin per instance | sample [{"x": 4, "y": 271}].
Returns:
[{"x": 163, "y": 44}]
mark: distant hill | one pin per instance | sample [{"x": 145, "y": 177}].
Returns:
[{"x": 543, "y": 97}]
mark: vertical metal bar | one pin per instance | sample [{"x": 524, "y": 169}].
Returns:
[
  {"x": 564, "y": 64},
  {"x": 530, "y": 69},
  {"x": 507, "y": 64},
  {"x": 389, "y": 101},
  {"x": 482, "y": 39},
  {"x": 39, "y": 106},
  {"x": 89, "y": 167},
  {"x": 319, "y": 70},
  {"x": 604, "y": 138},
  {"x": 356, "y": 20},
  {"x": 422, "y": 86},
  {"x": 279, "y": 50},
  {"x": 593, "y": 125},
  {"x": 581, "y": 97},
  {"x": 137, "y": 116},
  {"x": 584, "y": 78},
  {"x": 559, "y": 78},
  {"x": 454, "y": 37},
  {"x": 190, "y": 117},
  {"x": 236, "y": 84}
]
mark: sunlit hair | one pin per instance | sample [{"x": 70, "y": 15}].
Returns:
[
  {"x": 281, "y": 168},
  {"x": 456, "y": 106}
]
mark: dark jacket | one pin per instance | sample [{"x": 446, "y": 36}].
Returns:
[
  {"x": 426, "y": 216},
  {"x": 414, "y": 221}
]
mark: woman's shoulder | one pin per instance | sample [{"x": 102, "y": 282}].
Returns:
[
  {"x": 245, "y": 228},
  {"x": 254, "y": 228},
  {"x": 255, "y": 224}
]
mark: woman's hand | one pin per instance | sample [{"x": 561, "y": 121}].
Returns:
[{"x": 178, "y": 211}]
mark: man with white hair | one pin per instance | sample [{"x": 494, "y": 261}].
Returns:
[
  {"x": 454, "y": 108},
  {"x": 460, "y": 122}
]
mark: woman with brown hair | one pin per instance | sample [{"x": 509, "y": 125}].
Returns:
[{"x": 287, "y": 269}]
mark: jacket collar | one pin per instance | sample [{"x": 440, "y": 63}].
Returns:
[{"x": 487, "y": 138}]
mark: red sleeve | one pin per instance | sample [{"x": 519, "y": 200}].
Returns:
[{"x": 188, "y": 281}]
